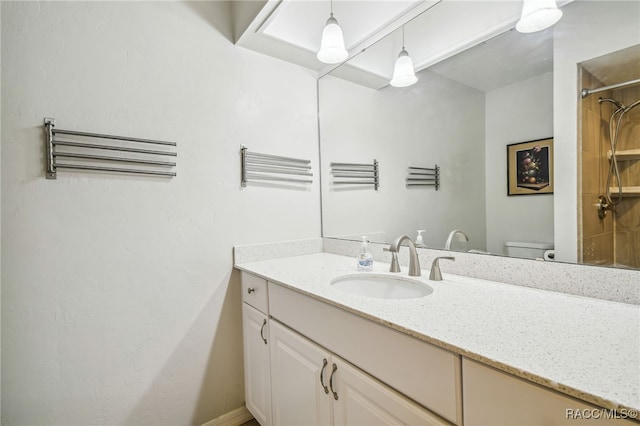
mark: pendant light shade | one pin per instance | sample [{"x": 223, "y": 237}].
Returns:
[
  {"x": 538, "y": 15},
  {"x": 332, "y": 49},
  {"x": 403, "y": 72}
]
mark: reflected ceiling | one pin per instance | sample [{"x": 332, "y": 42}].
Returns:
[
  {"x": 300, "y": 23},
  {"x": 291, "y": 30},
  {"x": 490, "y": 66}
]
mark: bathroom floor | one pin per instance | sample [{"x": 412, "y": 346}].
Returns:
[{"x": 252, "y": 422}]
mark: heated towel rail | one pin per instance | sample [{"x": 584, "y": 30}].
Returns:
[
  {"x": 267, "y": 167},
  {"x": 356, "y": 174},
  {"x": 80, "y": 153},
  {"x": 423, "y": 176}
]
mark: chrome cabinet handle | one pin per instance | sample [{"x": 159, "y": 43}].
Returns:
[
  {"x": 250, "y": 290},
  {"x": 324, "y": 365},
  {"x": 261, "y": 331},
  {"x": 335, "y": 394}
]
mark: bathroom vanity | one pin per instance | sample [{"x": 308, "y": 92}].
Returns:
[{"x": 472, "y": 352}]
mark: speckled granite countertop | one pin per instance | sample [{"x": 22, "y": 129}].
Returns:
[{"x": 583, "y": 347}]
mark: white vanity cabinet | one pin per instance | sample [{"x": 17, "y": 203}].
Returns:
[
  {"x": 422, "y": 372},
  {"x": 312, "y": 386},
  {"x": 288, "y": 383},
  {"x": 494, "y": 398},
  {"x": 301, "y": 353},
  {"x": 256, "y": 339}
]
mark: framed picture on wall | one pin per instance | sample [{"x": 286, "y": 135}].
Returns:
[{"x": 530, "y": 167}]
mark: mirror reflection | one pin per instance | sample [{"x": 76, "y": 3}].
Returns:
[{"x": 461, "y": 115}]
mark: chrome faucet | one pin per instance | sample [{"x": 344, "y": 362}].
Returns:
[
  {"x": 414, "y": 263},
  {"x": 461, "y": 237},
  {"x": 435, "y": 274}
]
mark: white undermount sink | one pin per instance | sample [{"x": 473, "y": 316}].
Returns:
[{"x": 382, "y": 286}]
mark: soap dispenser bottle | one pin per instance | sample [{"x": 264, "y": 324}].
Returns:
[
  {"x": 365, "y": 258},
  {"x": 419, "y": 242}
]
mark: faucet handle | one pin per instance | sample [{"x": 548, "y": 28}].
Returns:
[
  {"x": 395, "y": 265},
  {"x": 435, "y": 274}
]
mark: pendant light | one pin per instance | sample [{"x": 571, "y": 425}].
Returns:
[
  {"x": 332, "y": 49},
  {"x": 538, "y": 15},
  {"x": 403, "y": 73}
]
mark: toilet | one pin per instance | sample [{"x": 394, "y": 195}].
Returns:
[{"x": 529, "y": 249}]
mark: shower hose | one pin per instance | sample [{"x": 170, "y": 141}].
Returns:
[{"x": 614, "y": 128}]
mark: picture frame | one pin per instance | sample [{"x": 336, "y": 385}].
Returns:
[{"x": 530, "y": 167}]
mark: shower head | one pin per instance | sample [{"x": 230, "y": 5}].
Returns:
[{"x": 616, "y": 103}]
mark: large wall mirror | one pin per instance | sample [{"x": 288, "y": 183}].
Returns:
[{"x": 482, "y": 87}]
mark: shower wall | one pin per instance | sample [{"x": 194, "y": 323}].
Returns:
[
  {"x": 596, "y": 245},
  {"x": 614, "y": 239},
  {"x": 627, "y": 217}
]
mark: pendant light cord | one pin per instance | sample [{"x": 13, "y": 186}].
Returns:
[
  {"x": 403, "y": 37},
  {"x": 331, "y": 6}
]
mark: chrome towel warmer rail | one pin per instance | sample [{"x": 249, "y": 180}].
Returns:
[
  {"x": 81, "y": 154},
  {"x": 267, "y": 167},
  {"x": 356, "y": 174},
  {"x": 423, "y": 176}
]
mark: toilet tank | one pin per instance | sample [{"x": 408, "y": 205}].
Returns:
[{"x": 527, "y": 249}]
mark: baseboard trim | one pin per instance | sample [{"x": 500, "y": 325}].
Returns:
[{"x": 232, "y": 418}]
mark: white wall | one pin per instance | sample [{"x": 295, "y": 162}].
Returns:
[
  {"x": 436, "y": 121},
  {"x": 0, "y": 221},
  {"x": 516, "y": 113},
  {"x": 592, "y": 29},
  {"x": 119, "y": 301}
]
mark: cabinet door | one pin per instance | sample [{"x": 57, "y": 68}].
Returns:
[
  {"x": 362, "y": 400},
  {"x": 297, "y": 368},
  {"x": 495, "y": 398},
  {"x": 257, "y": 380}
]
